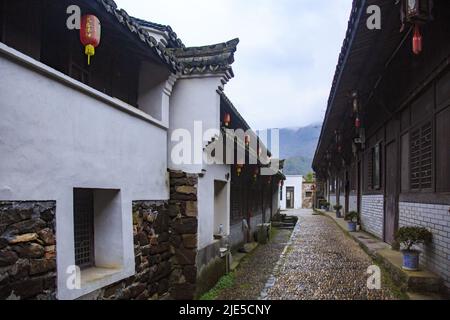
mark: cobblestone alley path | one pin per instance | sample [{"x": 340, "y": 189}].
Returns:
[{"x": 323, "y": 263}]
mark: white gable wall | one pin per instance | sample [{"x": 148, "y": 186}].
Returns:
[{"x": 297, "y": 183}]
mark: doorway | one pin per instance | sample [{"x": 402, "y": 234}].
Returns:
[{"x": 290, "y": 194}]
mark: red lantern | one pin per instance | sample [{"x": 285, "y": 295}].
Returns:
[
  {"x": 358, "y": 122},
  {"x": 227, "y": 119},
  {"x": 417, "y": 40},
  {"x": 90, "y": 34}
]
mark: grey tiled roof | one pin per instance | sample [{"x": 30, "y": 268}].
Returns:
[
  {"x": 215, "y": 58},
  {"x": 174, "y": 41},
  {"x": 134, "y": 27}
]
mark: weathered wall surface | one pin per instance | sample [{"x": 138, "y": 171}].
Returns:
[
  {"x": 435, "y": 218},
  {"x": 27, "y": 250}
]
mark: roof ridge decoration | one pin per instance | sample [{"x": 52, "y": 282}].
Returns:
[
  {"x": 216, "y": 58},
  {"x": 134, "y": 27},
  {"x": 175, "y": 42}
]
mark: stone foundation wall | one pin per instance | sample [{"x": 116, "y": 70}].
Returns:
[
  {"x": 372, "y": 214},
  {"x": 184, "y": 240},
  {"x": 27, "y": 250},
  {"x": 436, "y": 218}
]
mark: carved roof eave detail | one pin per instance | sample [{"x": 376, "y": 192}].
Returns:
[{"x": 134, "y": 27}]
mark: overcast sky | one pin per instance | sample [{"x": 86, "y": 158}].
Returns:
[{"x": 286, "y": 58}]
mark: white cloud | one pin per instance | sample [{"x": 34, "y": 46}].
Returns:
[{"x": 285, "y": 60}]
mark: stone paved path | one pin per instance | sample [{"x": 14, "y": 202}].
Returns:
[
  {"x": 322, "y": 263},
  {"x": 252, "y": 273}
]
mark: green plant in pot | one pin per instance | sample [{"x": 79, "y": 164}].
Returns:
[
  {"x": 338, "y": 209},
  {"x": 408, "y": 237},
  {"x": 352, "y": 220}
]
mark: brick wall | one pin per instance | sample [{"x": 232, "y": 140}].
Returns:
[
  {"x": 436, "y": 218},
  {"x": 372, "y": 214}
]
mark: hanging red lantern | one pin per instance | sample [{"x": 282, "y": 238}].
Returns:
[
  {"x": 227, "y": 119},
  {"x": 90, "y": 34},
  {"x": 417, "y": 40},
  {"x": 358, "y": 122}
]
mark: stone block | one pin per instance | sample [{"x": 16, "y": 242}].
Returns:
[
  {"x": 7, "y": 258},
  {"x": 29, "y": 237},
  {"x": 185, "y": 226},
  {"x": 186, "y": 256},
  {"x": 47, "y": 236},
  {"x": 40, "y": 266},
  {"x": 190, "y": 241},
  {"x": 29, "y": 250},
  {"x": 191, "y": 209}
]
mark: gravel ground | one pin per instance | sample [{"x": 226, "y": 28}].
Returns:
[
  {"x": 254, "y": 270},
  {"x": 322, "y": 263}
]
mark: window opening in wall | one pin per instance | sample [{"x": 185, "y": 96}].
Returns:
[{"x": 84, "y": 227}]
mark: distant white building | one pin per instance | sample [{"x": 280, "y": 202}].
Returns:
[{"x": 291, "y": 194}]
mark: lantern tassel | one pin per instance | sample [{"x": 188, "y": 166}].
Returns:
[{"x": 89, "y": 51}]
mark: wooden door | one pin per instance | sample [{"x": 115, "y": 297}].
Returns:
[{"x": 391, "y": 193}]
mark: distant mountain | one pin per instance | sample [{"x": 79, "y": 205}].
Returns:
[{"x": 298, "y": 146}]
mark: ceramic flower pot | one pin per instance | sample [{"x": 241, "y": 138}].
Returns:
[{"x": 411, "y": 260}]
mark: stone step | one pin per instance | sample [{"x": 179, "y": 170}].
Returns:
[
  {"x": 422, "y": 281},
  {"x": 424, "y": 296}
]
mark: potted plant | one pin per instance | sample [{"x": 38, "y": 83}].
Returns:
[
  {"x": 327, "y": 206},
  {"x": 409, "y": 237},
  {"x": 352, "y": 220},
  {"x": 338, "y": 209}
]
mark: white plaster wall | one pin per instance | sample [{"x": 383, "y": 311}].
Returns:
[
  {"x": 297, "y": 183},
  {"x": 206, "y": 225},
  {"x": 155, "y": 91},
  {"x": 54, "y": 138},
  {"x": 372, "y": 214},
  {"x": 332, "y": 201},
  {"x": 276, "y": 201},
  {"x": 435, "y": 218},
  {"x": 194, "y": 99},
  {"x": 353, "y": 203}
]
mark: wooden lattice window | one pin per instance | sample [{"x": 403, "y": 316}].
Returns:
[
  {"x": 370, "y": 169},
  {"x": 421, "y": 155},
  {"x": 84, "y": 227}
]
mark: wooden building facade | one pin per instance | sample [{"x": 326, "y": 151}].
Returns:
[{"x": 384, "y": 150}]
